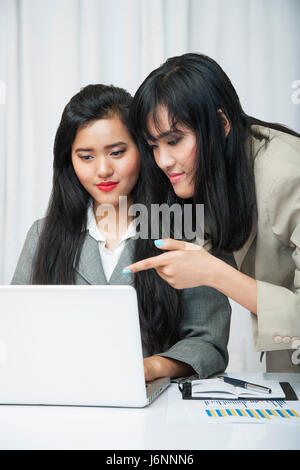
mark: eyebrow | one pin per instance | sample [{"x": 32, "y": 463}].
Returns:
[
  {"x": 162, "y": 135},
  {"x": 83, "y": 150},
  {"x": 115, "y": 144}
]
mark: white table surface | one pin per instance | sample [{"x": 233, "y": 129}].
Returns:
[{"x": 168, "y": 423}]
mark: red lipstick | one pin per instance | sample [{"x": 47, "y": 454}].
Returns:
[{"x": 107, "y": 186}]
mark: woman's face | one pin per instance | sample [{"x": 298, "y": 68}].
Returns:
[
  {"x": 106, "y": 160},
  {"x": 174, "y": 152}
]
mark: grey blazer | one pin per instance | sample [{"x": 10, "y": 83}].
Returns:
[{"x": 204, "y": 330}]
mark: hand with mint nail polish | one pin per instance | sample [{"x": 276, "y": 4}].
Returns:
[{"x": 181, "y": 264}]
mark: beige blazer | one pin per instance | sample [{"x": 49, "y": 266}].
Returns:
[{"x": 271, "y": 255}]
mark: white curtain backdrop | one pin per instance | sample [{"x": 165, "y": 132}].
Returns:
[{"x": 49, "y": 49}]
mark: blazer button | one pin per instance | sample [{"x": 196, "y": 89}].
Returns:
[
  {"x": 278, "y": 339},
  {"x": 287, "y": 339}
]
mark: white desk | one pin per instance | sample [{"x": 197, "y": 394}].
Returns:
[{"x": 155, "y": 427}]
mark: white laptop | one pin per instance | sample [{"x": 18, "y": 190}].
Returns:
[{"x": 72, "y": 345}]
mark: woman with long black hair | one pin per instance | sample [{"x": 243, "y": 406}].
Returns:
[
  {"x": 192, "y": 131},
  {"x": 83, "y": 241}
]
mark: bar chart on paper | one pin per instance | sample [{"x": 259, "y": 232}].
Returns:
[{"x": 255, "y": 411}]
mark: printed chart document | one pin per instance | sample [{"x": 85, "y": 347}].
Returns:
[
  {"x": 226, "y": 411},
  {"x": 216, "y": 389},
  {"x": 245, "y": 411}
]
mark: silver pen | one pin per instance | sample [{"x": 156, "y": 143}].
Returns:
[{"x": 243, "y": 384}]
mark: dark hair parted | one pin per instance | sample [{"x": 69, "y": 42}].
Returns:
[
  {"x": 193, "y": 87},
  {"x": 64, "y": 227}
]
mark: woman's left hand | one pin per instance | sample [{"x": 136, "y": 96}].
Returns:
[
  {"x": 185, "y": 265},
  {"x": 158, "y": 366},
  {"x": 152, "y": 368}
]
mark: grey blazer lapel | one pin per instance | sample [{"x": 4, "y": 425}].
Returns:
[
  {"x": 90, "y": 264},
  {"x": 126, "y": 258}
]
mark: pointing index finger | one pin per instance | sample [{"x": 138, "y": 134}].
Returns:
[{"x": 148, "y": 263}]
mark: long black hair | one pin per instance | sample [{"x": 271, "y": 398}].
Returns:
[
  {"x": 64, "y": 227},
  {"x": 193, "y": 87}
]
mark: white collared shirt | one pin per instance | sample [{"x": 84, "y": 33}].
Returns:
[{"x": 109, "y": 258}]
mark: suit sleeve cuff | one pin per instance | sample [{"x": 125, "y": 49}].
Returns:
[{"x": 277, "y": 324}]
